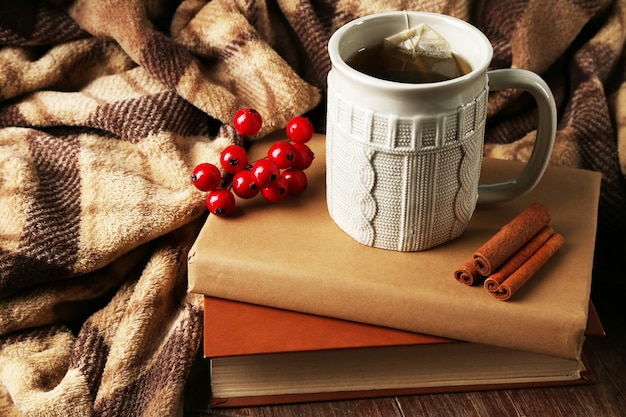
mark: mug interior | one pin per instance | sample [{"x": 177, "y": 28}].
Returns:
[{"x": 465, "y": 40}]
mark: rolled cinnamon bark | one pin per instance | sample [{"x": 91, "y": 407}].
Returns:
[
  {"x": 467, "y": 273},
  {"x": 512, "y": 283},
  {"x": 518, "y": 258},
  {"x": 510, "y": 238}
]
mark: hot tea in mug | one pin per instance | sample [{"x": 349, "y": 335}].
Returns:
[
  {"x": 404, "y": 148},
  {"x": 382, "y": 63}
]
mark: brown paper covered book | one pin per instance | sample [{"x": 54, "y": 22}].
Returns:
[
  {"x": 291, "y": 255},
  {"x": 263, "y": 355}
]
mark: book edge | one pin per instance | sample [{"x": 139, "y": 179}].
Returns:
[{"x": 587, "y": 377}]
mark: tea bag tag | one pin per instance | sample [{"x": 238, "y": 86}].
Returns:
[{"x": 420, "y": 40}]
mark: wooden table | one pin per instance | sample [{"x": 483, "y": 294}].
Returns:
[{"x": 604, "y": 398}]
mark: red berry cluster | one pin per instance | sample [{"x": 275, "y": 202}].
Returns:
[{"x": 276, "y": 176}]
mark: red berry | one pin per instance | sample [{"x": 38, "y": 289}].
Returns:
[
  {"x": 304, "y": 157},
  {"x": 206, "y": 177},
  {"x": 277, "y": 191},
  {"x": 265, "y": 172},
  {"x": 247, "y": 122},
  {"x": 296, "y": 180},
  {"x": 299, "y": 129},
  {"x": 233, "y": 159},
  {"x": 244, "y": 185},
  {"x": 220, "y": 202},
  {"x": 282, "y": 153}
]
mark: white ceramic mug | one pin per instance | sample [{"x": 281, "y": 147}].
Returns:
[{"x": 403, "y": 160}]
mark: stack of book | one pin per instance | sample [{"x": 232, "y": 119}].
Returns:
[{"x": 296, "y": 310}]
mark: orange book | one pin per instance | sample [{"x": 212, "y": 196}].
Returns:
[{"x": 264, "y": 355}]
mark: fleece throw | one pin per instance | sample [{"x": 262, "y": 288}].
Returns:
[{"x": 107, "y": 105}]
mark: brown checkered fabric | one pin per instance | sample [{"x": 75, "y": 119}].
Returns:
[{"x": 107, "y": 105}]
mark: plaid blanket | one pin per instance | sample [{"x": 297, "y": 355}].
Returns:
[{"x": 107, "y": 105}]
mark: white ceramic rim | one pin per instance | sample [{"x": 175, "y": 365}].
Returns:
[{"x": 339, "y": 63}]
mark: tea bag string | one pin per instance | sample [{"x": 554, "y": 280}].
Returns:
[
  {"x": 413, "y": 43},
  {"x": 406, "y": 20}
]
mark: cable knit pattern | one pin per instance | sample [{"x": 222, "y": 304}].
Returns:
[{"x": 392, "y": 176}]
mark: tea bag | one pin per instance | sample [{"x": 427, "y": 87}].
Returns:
[{"x": 421, "y": 49}]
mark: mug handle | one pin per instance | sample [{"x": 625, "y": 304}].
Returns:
[{"x": 546, "y": 131}]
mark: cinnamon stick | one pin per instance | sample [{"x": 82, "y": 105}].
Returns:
[
  {"x": 467, "y": 273},
  {"x": 505, "y": 289},
  {"x": 518, "y": 258},
  {"x": 510, "y": 238}
]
